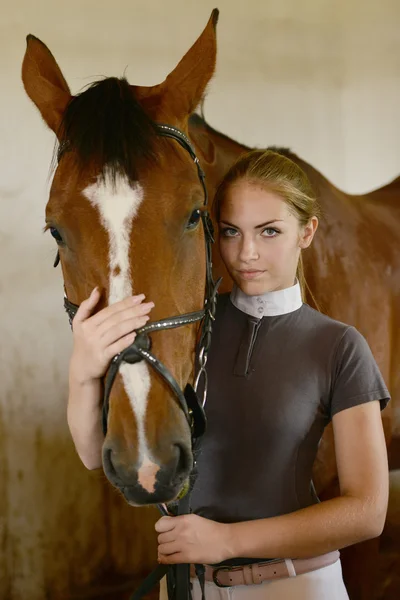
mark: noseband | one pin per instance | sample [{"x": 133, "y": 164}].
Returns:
[{"x": 140, "y": 349}]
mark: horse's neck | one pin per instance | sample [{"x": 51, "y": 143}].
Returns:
[
  {"x": 219, "y": 151},
  {"x": 224, "y": 151},
  {"x": 227, "y": 151}
]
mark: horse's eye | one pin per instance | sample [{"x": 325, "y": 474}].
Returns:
[
  {"x": 194, "y": 219},
  {"x": 56, "y": 235}
]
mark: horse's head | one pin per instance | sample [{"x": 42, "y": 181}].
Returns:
[{"x": 124, "y": 208}]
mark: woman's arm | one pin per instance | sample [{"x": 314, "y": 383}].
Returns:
[
  {"x": 84, "y": 420},
  {"x": 358, "y": 514},
  {"x": 97, "y": 339}
]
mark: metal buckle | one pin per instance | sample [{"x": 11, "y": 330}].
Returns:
[{"x": 216, "y": 571}]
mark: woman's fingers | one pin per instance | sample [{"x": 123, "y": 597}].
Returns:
[
  {"x": 113, "y": 309},
  {"x": 169, "y": 548},
  {"x": 119, "y": 330},
  {"x": 120, "y": 345},
  {"x": 165, "y": 538},
  {"x": 87, "y": 306},
  {"x": 127, "y": 314}
]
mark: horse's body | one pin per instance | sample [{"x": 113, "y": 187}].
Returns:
[
  {"x": 353, "y": 271},
  {"x": 352, "y": 267}
]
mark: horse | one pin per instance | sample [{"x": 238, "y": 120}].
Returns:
[
  {"x": 125, "y": 207},
  {"x": 122, "y": 208}
]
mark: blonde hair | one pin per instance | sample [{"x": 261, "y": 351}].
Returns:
[{"x": 277, "y": 173}]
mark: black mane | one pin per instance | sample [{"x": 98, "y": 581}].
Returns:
[{"x": 106, "y": 126}]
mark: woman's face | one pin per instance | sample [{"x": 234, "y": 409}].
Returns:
[{"x": 260, "y": 239}]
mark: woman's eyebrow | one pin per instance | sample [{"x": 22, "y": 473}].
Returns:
[
  {"x": 256, "y": 226},
  {"x": 268, "y": 223}
]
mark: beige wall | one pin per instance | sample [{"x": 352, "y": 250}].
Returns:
[{"x": 321, "y": 77}]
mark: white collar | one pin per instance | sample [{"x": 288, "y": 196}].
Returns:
[{"x": 270, "y": 304}]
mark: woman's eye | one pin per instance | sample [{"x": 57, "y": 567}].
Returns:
[
  {"x": 56, "y": 235},
  {"x": 270, "y": 232},
  {"x": 194, "y": 219},
  {"x": 228, "y": 232}
]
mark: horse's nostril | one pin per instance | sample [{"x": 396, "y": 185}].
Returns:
[
  {"x": 184, "y": 463},
  {"x": 107, "y": 462}
]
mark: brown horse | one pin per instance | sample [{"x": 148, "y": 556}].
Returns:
[
  {"x": 124, "y": 209},
  {"x": 119, "y": 207}
]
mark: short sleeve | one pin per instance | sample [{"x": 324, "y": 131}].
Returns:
[{"x": 356, "y": 377}]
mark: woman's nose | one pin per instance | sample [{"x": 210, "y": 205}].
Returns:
[{"x": 248, "y": 250}]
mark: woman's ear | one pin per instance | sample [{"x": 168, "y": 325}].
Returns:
[{"x": 307, "y": 233}]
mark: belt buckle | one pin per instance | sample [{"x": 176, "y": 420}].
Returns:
[{"x": 215, "y": 577}]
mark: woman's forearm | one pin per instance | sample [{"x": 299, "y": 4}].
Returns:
[
  {"x": 314, "y": 530},
  {"x": 84, "y": 420}
]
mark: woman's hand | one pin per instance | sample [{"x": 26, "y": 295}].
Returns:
[
  {"x": 192, "y": 539},
  {"x": 98, "y": 338}
]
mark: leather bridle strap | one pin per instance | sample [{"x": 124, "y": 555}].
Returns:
[{"x": 183, "y": 140}]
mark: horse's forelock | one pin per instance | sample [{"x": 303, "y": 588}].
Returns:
[{"x": 106, "y": 126}]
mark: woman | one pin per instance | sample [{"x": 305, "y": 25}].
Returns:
[{"x": 279, "y": 372}]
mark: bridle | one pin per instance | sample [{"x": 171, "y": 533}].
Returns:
[{"x": 139, "y": 350}]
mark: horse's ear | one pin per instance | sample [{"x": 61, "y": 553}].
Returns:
[
  {"x": 44, "y": 83},
  {"x": 183, "y": 89}
]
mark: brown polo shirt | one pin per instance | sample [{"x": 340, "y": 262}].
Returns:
[{"x": 278, "y": 371}]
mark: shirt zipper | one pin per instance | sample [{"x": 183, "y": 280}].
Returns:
[{"x": 252, "y": 342}]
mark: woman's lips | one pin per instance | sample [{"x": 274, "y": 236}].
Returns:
[{"x": 251, "y": 274}]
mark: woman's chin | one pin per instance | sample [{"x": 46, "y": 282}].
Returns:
[{"x": 254, "y": 287}]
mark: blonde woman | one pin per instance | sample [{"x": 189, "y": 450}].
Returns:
[{"x": 279, "y": 372}]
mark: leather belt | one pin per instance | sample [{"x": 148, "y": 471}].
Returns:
[{"x": 257, "y": 573}]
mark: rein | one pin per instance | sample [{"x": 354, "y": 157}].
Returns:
[{"x": 178, "y": 576}]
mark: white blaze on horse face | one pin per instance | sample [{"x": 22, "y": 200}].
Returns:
[{"x": 118, "y": 205}]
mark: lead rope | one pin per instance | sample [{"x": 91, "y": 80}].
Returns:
[{"x": 200, "y": 572}]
